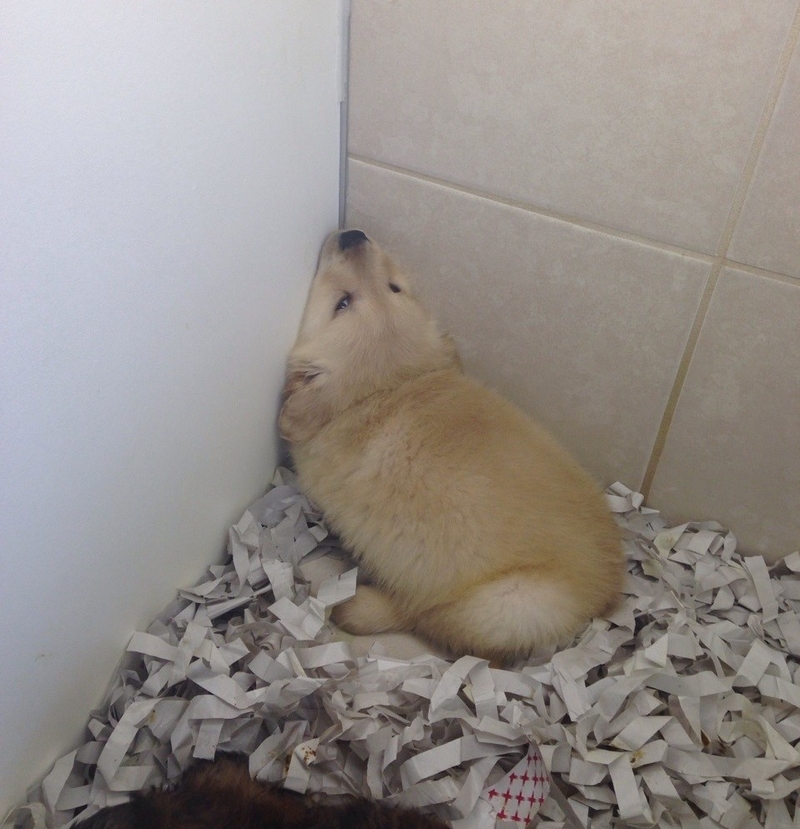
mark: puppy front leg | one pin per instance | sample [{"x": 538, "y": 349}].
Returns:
[{"x": 369, "y": 611}]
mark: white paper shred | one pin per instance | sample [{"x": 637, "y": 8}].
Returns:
[{"x": 679, "y": 710}]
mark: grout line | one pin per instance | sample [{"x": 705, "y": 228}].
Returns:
[
  {"x": 737, "y": 204},
  {"x": 777, "y": 276},
  {"x": 761, "y": 133},
  {"x": 538, "y": 211},
  {"x": 680, "y": 378}
]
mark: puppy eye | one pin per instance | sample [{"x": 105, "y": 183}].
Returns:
[
  {"x": 395, "y": 288},
  {"x": 342, "y": 303}
]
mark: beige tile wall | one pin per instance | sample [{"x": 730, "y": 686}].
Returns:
[{"x": 602, "y": 203}]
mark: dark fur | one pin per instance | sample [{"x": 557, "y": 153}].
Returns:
[{"x": 222, "y": 795}]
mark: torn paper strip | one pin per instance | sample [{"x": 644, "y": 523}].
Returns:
[{"x": 679, "y": 710}]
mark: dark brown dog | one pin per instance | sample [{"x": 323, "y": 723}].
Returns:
[{"x": 222, "y": 795}]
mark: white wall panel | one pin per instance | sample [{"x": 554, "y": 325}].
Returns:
[{"x": 169, "y": 170}]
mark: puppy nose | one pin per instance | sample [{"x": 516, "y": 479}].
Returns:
[{"x": 352, "y": 239}]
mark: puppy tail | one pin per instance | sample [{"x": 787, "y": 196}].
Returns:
[{"x": 511, "y": 616}]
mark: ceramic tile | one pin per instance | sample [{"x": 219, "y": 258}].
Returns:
[
  {"x": 768, "y": 232},
  {"x": 582, "y": 329},
  {"x": 733, "y": 452},
  {"x": 636, "y": 116}
]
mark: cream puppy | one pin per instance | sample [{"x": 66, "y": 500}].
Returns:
[{"x": 479, "y": 532}]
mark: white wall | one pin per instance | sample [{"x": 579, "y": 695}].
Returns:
[{"x": 168, "y": 172}]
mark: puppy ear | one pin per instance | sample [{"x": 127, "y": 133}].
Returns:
[{"x": 307, "y": 405}]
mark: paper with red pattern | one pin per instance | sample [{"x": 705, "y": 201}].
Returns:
[{"x": 516, "y": 798}]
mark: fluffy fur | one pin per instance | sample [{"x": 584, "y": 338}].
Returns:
[
  {"x": 221, "y": 795},
  {"x": 478, "y": 530}
]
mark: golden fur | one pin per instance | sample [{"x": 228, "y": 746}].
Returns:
[{"x": 479, "y": 531}]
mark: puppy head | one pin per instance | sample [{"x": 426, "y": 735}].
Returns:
[{"x": 362, "y": 330}]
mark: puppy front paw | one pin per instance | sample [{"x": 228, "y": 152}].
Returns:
[{"x": 369, "y": 611}]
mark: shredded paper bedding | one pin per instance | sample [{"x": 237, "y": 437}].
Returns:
[{"x": 680, "y": 710}]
